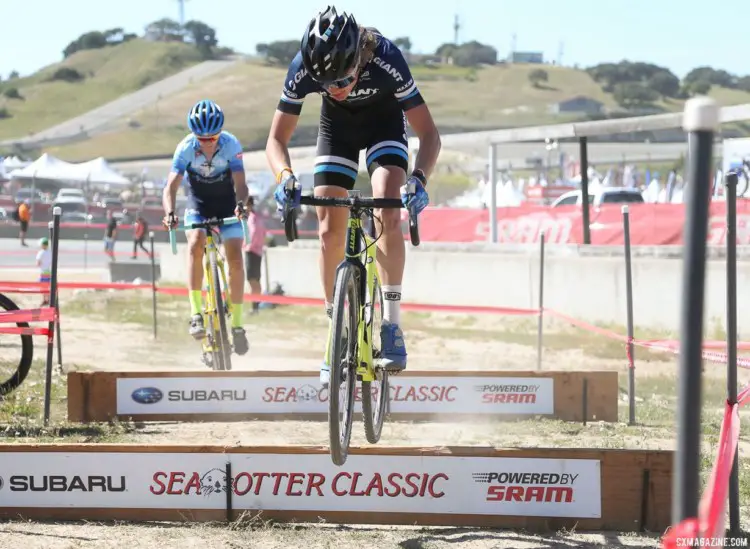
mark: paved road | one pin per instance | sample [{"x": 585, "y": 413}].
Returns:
[
  {"x": 303, "y": 158},
  {"x": 73, "y": 254},
  {"x": 97, "y": 119}
]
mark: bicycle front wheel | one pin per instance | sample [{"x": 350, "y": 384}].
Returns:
[
  {"x": 375, "y": 394},
  {"x": 13, "y": 373},
  {"x": 221, "y": 335},
  {"x": 343, "y": 358}
]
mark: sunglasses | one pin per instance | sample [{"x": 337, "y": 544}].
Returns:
[
  {"x": 209, "y": 139},
  {"x": 343, "y": 82}
]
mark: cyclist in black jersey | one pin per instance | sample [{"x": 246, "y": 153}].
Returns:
[{"x": 368, "y": 97}]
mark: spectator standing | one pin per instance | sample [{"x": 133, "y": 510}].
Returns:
[
  {"x": 110, "y": 235},
  {"x": 140, "y": 229},
  {"x": 44, "y": 262},
  {"x": 24, "y": 216},
  {"x": 254, "y": 250}
]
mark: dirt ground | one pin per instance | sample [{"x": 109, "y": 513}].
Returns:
[{"x": 113, "y": 331}]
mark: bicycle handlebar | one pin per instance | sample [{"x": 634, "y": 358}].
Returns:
[
  {"x": 289, "y": 215},
  {"x": 209, "y": 224},
  {"x": 352, "y": 202}
]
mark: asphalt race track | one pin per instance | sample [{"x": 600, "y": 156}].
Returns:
[{"x": 74, "y": 254}]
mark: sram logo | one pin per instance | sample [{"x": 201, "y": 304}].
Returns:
[{"x": 389, "y": 69}]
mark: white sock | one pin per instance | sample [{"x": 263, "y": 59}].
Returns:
[
  {"x": 392, "y": 304},
  {"x": 329, "y": 309}
]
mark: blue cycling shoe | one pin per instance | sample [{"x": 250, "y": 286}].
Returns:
[{"x": 392, "y": 348}]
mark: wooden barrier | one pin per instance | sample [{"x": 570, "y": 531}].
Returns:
[
  {"x": 270, "y": 395},
  {"x": 536, "y": 489}
]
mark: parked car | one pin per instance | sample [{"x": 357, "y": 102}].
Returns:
[
  {"x": 605, "y": 195},
  {"x": 71, "y": 204},
  {"x": 70, "y": 192},
  {"x": 109, "y": 203},
  {"x": 75, "y": 217}
]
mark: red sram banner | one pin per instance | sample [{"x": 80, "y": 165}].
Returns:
[{"x": 650, "y": 224}]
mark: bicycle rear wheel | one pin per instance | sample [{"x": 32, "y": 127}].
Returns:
[
  {"x": 13, "y": 373},
  {"x": 375, "y": 394},
  {"x": 221, "y": 334},
  {"x": 343, "y": 357}
]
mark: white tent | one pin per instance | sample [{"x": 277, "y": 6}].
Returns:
[
  {"x": 98, "y": 172},
  {"x": 95, "y": 172},
  {"x": 46, "y": 167},
  {"x": 11, "y": 163}
]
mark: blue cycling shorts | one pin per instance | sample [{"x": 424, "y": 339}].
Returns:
[{"x": 228, "y": 232}]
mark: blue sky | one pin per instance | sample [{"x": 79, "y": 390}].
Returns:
[{"x": 679, "y": 35}]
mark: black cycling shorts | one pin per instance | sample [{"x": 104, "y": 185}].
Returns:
[
  {"x": 253, "y": 262},
  {"x": 341, "y": 135}
]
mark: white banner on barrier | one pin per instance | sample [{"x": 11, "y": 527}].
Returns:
[
  {"x": 568, "y": 488},
  {"x": 290, "y": 395}
]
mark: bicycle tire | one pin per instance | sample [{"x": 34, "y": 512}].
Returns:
[
  {"x": 373, "y": 416},
  {"x": 222, "y": 337},
  {"x": 27, "y": 352},
  {"x": 346, "y": 287}
]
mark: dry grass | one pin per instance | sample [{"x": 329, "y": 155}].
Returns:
[
  {"x": 267, "y": 535},
  {"x": 110, "y": 73},
  {"x": 469, "y": 98}
]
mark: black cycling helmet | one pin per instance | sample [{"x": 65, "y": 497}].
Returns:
[{"x": 329, "y": 46}]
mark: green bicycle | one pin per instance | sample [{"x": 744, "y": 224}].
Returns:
[
  {"x": 217, "y": 311},
  {"x": 357, "y": 300}
]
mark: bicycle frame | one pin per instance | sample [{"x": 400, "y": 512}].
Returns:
[
  {"x": 210, "y": 303},
  {"x": 368, "y": 277}
]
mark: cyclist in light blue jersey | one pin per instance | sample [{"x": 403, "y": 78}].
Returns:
[{"x": 210, "y": 161}]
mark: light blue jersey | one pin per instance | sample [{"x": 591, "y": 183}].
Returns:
[{"x": 209, "y": 185}]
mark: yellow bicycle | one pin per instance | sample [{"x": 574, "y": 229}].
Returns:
[
  {"x": 217, "y": 310},
  {"x": 357, "y": 300}
]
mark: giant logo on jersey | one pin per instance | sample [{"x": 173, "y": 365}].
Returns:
[
  {"x": 292, "y": 84},
  {"x": 389, "y": 69},
  {"x": 362, "y": 93}
]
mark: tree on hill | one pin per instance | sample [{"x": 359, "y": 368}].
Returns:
[
  {"x": 697, "y": 87},
  {"x": 633, "y": 95},
  {"x": 469, "y": 54},
  {"x": 95, "y": 40},
  {"x": 713, "y": 76},
  {"x": 203, "y": 36},
  {"x": 665, "y": 84},
  {"x": 446, "y": 50},
  {"x": 165, "y": 30},
  {"x": 403, "y": 43},
  {"x": 537, "y": 76},
  {"x": 279, "y": 53},
  {"x": 743, "y": 83},
  {"x": 610, "y": 75}
]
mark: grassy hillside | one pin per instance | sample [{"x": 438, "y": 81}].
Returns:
[
  {"x": 110, "y": 72},
  {"x": 466, "y": 98}
]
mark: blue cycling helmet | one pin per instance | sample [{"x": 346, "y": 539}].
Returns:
[{"x": 205, "y": 118}]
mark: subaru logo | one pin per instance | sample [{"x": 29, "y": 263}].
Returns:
[{"x": 147, "y": 395}]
